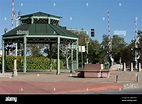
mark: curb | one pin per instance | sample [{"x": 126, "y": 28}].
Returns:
[{"x": 100, "y": 87}]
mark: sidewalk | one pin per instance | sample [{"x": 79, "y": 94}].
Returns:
[{"x": 65, "y": 83}]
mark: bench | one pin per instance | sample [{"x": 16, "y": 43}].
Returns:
[{"x": 93, "y": 71}]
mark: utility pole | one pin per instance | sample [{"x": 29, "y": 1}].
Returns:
[
  {"x": 110, "y": 41},
  {"x": 13, "y": 14},
  {"x": 15, "y": 19},
  {"x": 136, "y": 54}
]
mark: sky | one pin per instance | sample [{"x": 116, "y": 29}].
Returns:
[{"x": 77, "y": 14}]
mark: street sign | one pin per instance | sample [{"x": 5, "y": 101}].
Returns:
[{"x": 81, "y": 48}]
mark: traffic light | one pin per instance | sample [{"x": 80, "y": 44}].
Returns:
[{"x": 92, "y": 33}]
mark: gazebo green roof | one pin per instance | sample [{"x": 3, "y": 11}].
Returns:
[
  {"x": 39, "y": 14},
  {"x": 40, "y": 30}
]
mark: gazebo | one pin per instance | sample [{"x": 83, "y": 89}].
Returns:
[{"x": 39, "y": 28}]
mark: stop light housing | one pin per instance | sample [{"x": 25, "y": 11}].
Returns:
[{"x": 92, "y": 32}]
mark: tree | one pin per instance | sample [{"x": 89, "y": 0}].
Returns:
[
  {"x": 118, "y": 45},
  {"x": 140, "y": 45},
  {"x": 35, "y": 49},
  {"x": 81, "y": 42},
  {"x": 127, "y": 54},
  {"x": 94, "y": 48},
  {"x": 95, "y": 52},
  {"x": 65, "y": 49},
  {"x": 104, "y": 47}
]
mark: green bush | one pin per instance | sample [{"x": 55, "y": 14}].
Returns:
[{"x": 33, "y": 63}]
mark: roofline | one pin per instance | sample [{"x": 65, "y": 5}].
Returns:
[
  {"x": 43, "y": 36},
  {"x": 48, "y": 15}
]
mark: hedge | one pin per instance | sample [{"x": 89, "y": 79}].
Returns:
[{"x": 33, "y": 63}]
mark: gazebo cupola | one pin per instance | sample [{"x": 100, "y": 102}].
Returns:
[{"x": 40, "y": 18}]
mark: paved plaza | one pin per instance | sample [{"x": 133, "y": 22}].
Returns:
[{"x": 66, "y": 83}]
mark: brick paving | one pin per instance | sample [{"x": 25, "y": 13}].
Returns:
[{"x": 65, "y": 83}]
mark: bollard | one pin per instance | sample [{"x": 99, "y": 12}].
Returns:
[
  {"x": 15, "y": 68},
  {"x": 131, "y": 66},
  {"x": 137, "y": 77},
  {"x": 139, "y": 67},
  {"x": 102, "y": 67},
  {"x": 124, "y": 66},
  {"x": 116, "y": 78}
]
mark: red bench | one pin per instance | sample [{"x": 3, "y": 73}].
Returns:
[{"x": 93, "y": 71}]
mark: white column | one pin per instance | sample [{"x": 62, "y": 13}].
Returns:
[
  {"x": 3, "y": 56},
  {"x": 124, "y": 66},
  {"x": 25, "y": 45},
  {"x": 139, "y": 67},
  {"x": 131, "y": 66},
  {"x": 58, "y": 56},
  {"x": 15, "y": 68}
]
